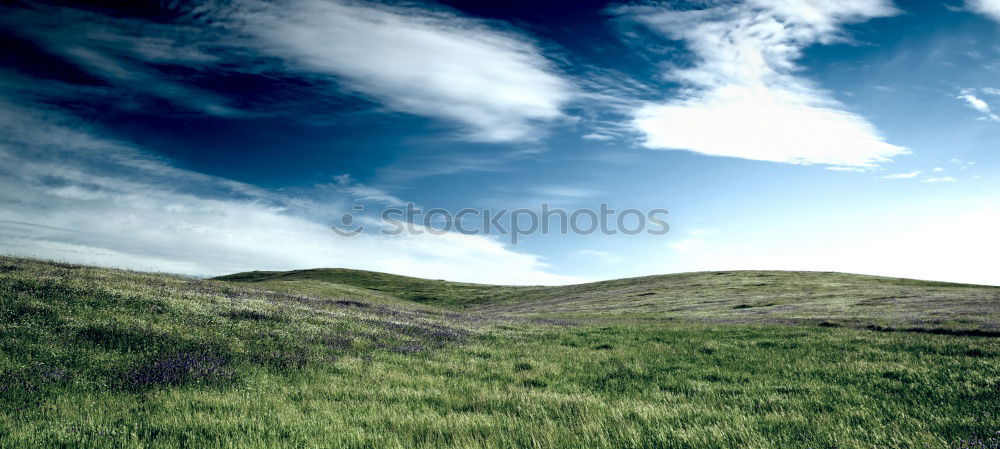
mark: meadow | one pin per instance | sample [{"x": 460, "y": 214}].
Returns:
[{"x": 103, "y": 358}]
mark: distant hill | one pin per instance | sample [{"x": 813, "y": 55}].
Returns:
[{"x": 787, "y": 297}]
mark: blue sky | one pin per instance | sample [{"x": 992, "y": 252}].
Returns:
[{"x": 213, "y": 137}]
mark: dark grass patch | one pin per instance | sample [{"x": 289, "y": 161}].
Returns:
[
  {"x": 179, "y": 369},
  {"x": 45, "y": 289},
  {"x": 603, "y": 347},
  {"x": 753, "y": 306},
  {"x": 66, "y": 266},
  {"x": 883, "y": 300},
  {"x": 338, "y": 342},
  {"x": 646, "y": 294},
  {"x": 252, "y": 315},
  {"x": 481, "y": 354},
  {"x": 407, "y": 349},
  {"x": 349, "y": 303},
  {"x": 534, "y": 383},
  {"x": 19, "y": 389},
  {"x": 895, "y": 375},
  {"x": 19, "y": 312},
  {"x": 713, "y": 378},
  {"x": 976, "y": 353},
  {"x": 937, "y": 331},
  {"x": 22, "y": 389},
  {"x": 621, "y": 379},
  {"x": 123, "y": 339},
  {"x": 522, "y": 366}
]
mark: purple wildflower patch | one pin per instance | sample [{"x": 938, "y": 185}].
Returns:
[{"x": 180, "y": 368}]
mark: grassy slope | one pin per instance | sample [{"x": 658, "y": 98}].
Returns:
[
  {"x": 105, "y": 358},
  {"x": 735, "y": 296}
]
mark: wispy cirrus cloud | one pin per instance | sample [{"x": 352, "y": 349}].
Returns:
[
  {"x": 974, "y": 102},
  {"x": 128, "y": 60},
  {"x": 564, "y": 191},
  {"x": 912, "y": 174},
  {"x": 847, "y": 169},
  {"x": 597, "y": 136},
  {"x": 741, "y": 95},
  {"x": 362, "y": 192},
  {"x": 494, "y": 82}
]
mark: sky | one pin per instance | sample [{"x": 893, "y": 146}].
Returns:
[{"x": 211, "y": 137}]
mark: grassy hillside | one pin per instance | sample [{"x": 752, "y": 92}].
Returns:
[
  {"x": 94, "y": 357},
  {"x": 761, "y": 297}
]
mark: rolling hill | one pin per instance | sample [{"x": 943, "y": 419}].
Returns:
[
  {"x": 96, "y": 357},
  {"x": 784, "y": 297}
]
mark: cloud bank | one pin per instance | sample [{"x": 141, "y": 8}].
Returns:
[
  {"x": 66, "y": 194},
  {"x": 741, "y": 96},
  {"x": 988, "y": 8}
]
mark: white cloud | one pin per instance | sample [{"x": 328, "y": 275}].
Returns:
[
  {"x": 493, "y": 82},
  {"x": 988, "y": 8},
  {"x": 941, "y": 179},
  {"x": 742, "y": 97},
  {"x": 978, "y": 104},
  {"x": 962, "y": 165},
  {"x": 847, "y": 169},
  {"x": 361, "y": 192},
  {"x": 595, "y": 136},
  {"x": 975, "y": 103},
  {"x": 67, "y": 195},
  {"x": 564, "y": 191},
  {"x": 912, "y": 174},
  {"x": 937, "y": 169}
]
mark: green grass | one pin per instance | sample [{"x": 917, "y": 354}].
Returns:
[
  {"x": 94, "y": 357},
  {"x": 771, "y": 297}
]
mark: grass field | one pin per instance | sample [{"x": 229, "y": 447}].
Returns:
[{"x": 95, "y": 357}]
